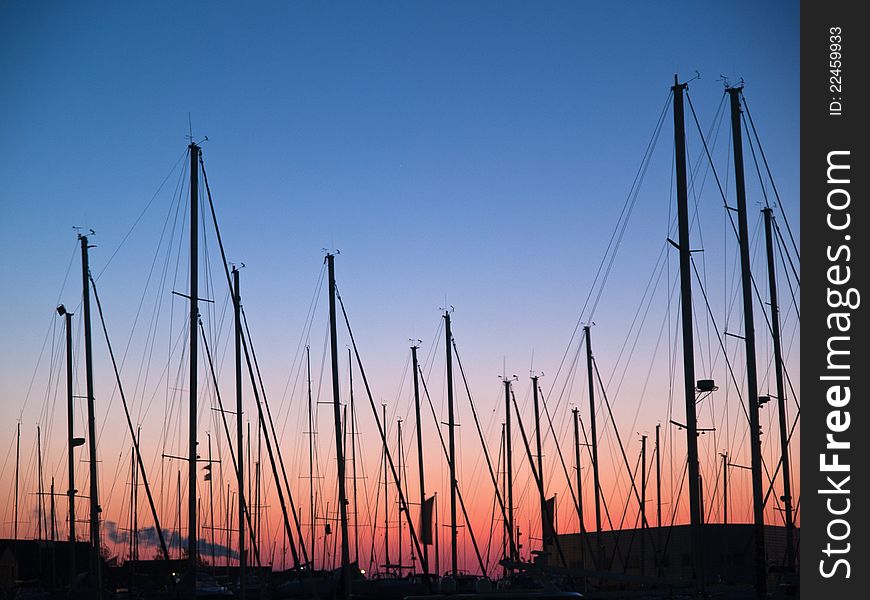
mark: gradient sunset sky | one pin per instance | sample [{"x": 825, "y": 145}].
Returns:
[{"x": 473, "y": 155}]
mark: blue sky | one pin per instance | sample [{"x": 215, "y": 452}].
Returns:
[{"x": 474, "y": 154}]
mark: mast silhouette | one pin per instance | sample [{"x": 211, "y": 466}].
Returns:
[
  {"x": 313, "y": 527},
  {"x": 509, "y": 471},
  {"x": 599, "y": 556},
  {"x": 643, "y": 505},
  {"x": 451, "y": 425},
  {"x": 579, "y": 474},
  {"x": 40, "y": 492},
  {"x": 658, "y": 479},
  {"x": 339, "y": 447},
  {"x": 401, "y": 460},
  {"x": 749, "y": 339},
  {"x": 71, "y": 441},
  {"x": 136, "y": 500},
  {"x": 415, "y": 366},
  {"x": 240, "y": 463},
  {"x": 724, "y": 488},
  {"x": 194, "y": 346},
  {"x": 780, "y": 390},
  {"x": 386, "y": 499},
  {"x": 687, "y": 331},
  {"x": 545, "y": 517},
  {"x": 210, "y": 478},
  {"x": 353, "y": 459},
  {"x": 96, "y": 566},
  {"x": 17, "y": 469}
]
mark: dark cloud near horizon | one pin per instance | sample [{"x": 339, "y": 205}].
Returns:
[{"x": 148, "y": 539}]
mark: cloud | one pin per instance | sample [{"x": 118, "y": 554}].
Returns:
[{"x": 148, "y": 538}]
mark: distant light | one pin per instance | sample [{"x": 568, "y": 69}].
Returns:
[
  {"x": 362, "y": 571},
  {"x": 61, "y": 309}
]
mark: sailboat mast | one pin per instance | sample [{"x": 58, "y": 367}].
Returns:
[
  {"x": 258, "y": 498},
  {"x": 211, "y": 501},
  {"x": 95, "y": 559},
  {"x": 53, "y": 525},
  {"x": 451, "y": 425},
  {"x": 313, "y": 526},
  {"x": 724, "y": 488},
  {"x": 643, "y": 505},
  {"x": 545, "y": 518},
  {"x": 71, "y": 492},
  {"x": 252, "y": 522},
  {"x": 594, "y": 434},
  {"x": 579, "y": 472},
  {"x": 40, "y": 494},
  {"x": 658, "y": 479},
  {"x": 399, "y": 485},
  {"x": 178, "y": 508},
  {"x": 509, "y": 469},
  {"x": 353, "y": 459},
  {"x": 240, "y": 463},
  {"x": 193, "y": 320},
  {"x": 780, "y": 390},
  {"x": 339, "y": 450},
  {"x": 502, "y": 460},
  {"x": 132, "y": 498},
  {"x": 419, "y": 448},
  {"x": 136, "y": 502},
  {"x": 386, "y": 499},
  {"x": 17, "y": 464},
  {"x": 687, "y": 331},
  {"x": 749, "y": 339}
]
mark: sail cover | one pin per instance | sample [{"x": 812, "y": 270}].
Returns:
[{"x": 426, "y": 512}]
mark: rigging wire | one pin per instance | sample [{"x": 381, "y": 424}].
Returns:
[
  {"x": 619, "y": 229},
  {"x": 770, "y": 177}
]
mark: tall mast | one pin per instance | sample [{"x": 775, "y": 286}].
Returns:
[
  {"x": 40, "y": 493},
  {"x": 240, "y": 464},
  {"x": 643, "y": 505},
  {"x": 579, "y": 474},
  {"x": 211, "y": 500},
  {"x": 136, "y": 501},
  {"x": 451, "y": 424},
  {"x": 749, "y": 338},
  {"x": 399, "y": 485},
  {"x": 53, "y": 524},
  {"x": 353, "y": 459},
  {"x": 658, "y": 479},
  {"x": 132, "y": 497},
  {"x": 724, "y": 488},
  {"x": 545, "y": 517},
  {"x": 252, "y": 519},
  {"x": 257, "y": 469},
  {"x": 71, "y": 441},
  {"x": 599, "y": 558},
  {"x": 509, "y": 477},
  {"x": 780, "y": 390},
  {"x": 17, "y": 461},
  {"x": 386, "y": 499},
  {"x": 688, "y": 342},
  {"x": 339, "y": 450},
  {"x": 313, "y": 527},
  {"x": 502, "y": 459},
  {"x": 194, "y": 319},
  {"x": 419, "y": 447},
  {"x": 437, "y": 537},
  {"x": 178, "y": 508},
  {"x": 95, "y": 559}
]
